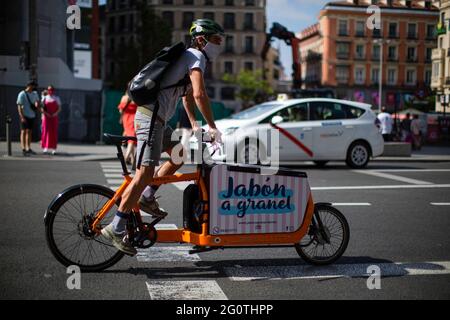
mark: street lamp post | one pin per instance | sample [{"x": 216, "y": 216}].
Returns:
[{"x": 380, "y": 87}]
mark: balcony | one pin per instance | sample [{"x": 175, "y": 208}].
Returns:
[
  {"x": 437, "y": 54},
  {"x": 440, "y": 29},
  {"x": 447, "y": 80}
]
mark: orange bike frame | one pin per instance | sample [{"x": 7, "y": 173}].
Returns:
[{"x": 204, "y": 238}]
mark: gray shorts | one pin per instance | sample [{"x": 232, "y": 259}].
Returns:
[{"x": 160, "y": 141}]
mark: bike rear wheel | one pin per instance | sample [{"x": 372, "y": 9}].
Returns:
[
  {"x": 327, "y": 237},
  {"x": 68, "y": 234}
]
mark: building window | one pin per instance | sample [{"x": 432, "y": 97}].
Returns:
[
  {"x": 411, "y": 76},
  {"x": 228, "y": 22},
  {"x": 187, "y": 39},
  {"x": 167, "y": 2},
  {"x": 248, "y": 65},
  {"x": 131, "y": 22},
  {"x": 375, "y": 76},
  {"x": 436, "y": 70},
  {"x": 249, "y": 44},
  {"x": 228, "y": 67},
  {"x": 122, "y": 23},
  {"x": 431, "y": 31},
  {"x": 249, "y": 3},
  {"x": 428, "y": 53},
  {"x": 359, "y": 50},
  {"x": 411, "y": 55},
  {"x": 188, "y": 2},
  {"x": 392, "y": 76},
  {"x": 229, "y": 44},
  {"x": 112, "y": 24},
  {"x": 168, "y": 18},
  {"x": 342, "y": 74},
  {"x": 376, "y": 51},
  {"x": 428, "y": 77},
  {"x": 112, "y": 45},
  {"x": 360, "y": 28},
  {"x": 211, "y": 92},
  {"x": 342, "y": 50},
  {"x": 229, "y": 2},
  {"x": 360, "y": 76},
  {"x": 248, "y": 21},
  {"x": 412, "y": 31},
  {"x": 392, "y": 29},
  {"x": 392, "y": 53},
  {"x": 441, "y": 42},
  {"x": 209, "y": 15},
  {"x": 227, "y": 93},
  {"x": 209, "y": 2},
  {"x": 122, "y": 4},
  {"x": 443, "y": 18},
  {"x": 376, "y": 33},
  {"x": 188, "y": 17},
  {"x": 342, "y": 31}
]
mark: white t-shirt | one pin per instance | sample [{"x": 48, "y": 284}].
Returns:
[
  {"x": 168, "y": 98},
  {"x": 386, "y": 122}
]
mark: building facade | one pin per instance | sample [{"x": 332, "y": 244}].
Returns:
[
  {"x": 441, "y": 59},
  {"x": 343, "y": 53},
  {"x": 244, "y": 22},
  {"x": 37, "y": 44}
]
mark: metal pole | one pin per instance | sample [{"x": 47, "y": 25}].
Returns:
[
  {"x": 381, "y": 76},
  {"x": 8, "y": 134}
]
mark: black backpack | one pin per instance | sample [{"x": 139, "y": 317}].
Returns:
[{"x": 145, "y": 85}]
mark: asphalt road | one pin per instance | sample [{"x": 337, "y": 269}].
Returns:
[{"x": 399, "y": 216}]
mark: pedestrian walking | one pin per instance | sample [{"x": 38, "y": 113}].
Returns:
[
  {"x": 51, "y": 105},
  {"x": 385, "y": 124},
  {"x": 416, "y": 132},
  {"x": 127, "y": 109},
  {"x": 405, "y": 127},
  {"x": 27, "y": 106}
]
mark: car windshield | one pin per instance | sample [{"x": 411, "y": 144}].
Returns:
[{"x": 255, "y": 111}]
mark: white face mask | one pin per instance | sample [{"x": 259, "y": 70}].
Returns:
[{"x": 212, "y": 50}]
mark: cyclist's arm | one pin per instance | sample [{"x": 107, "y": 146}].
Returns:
[
  {"x": 189, "y": 106},
  {"x": 200, "y": 97}
]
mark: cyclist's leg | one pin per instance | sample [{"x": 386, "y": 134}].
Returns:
[{"x": 142, "y": 178}]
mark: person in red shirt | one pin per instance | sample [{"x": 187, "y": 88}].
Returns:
[{"x": 127, "y": 109}]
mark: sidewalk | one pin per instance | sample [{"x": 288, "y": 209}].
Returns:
[
  {"x": 94, "y": 152},
  {"x": 65, "y": 152}
]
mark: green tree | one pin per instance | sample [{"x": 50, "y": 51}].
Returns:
[
  {"x": 252, "y": 88},
  {"x": 152, "y": 34}
]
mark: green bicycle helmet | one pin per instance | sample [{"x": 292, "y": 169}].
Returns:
[{"x": 203, "y": 27}]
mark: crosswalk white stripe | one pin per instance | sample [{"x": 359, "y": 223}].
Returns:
[
  {"x": 185, "y": 290},
  {"x": 409, "y": 170},
  {"x": 166, "y": 253},
  {"x": 391, "y": 177},
  {"x": 113, "y": 175},
  {"x": 440, "y": 203},
  {"x": 112, "y": 170},
  {"x": 336, "y": 271},
  {"x": 114, "y": 181}
]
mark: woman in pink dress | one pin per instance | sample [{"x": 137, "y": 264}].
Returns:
[{"x": 51, "y": 108}]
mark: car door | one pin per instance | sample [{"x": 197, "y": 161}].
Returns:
[
  {"x": 295, "y": 134},
  {"x": 332, "y": 131}
]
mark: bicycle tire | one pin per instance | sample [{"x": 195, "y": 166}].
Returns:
[
  {"x": 55, "y": 210},
  {"x": 301, "y": 250}
]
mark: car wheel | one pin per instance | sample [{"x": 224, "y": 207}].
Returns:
[
  {"x": 358, "y": 155},
  {"x": 321, "y": 163}
]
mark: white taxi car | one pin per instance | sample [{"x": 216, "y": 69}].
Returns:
[{"x": 316, "y": 129}]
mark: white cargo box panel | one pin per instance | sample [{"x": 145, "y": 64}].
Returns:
[{"x": 243, "y": 201}]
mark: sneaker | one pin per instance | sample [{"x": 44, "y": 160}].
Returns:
[
  {"x": 53, "y": 152},
  {"x": 25, "y": 153},
  {"x": 31, "y": 151},
  {"x": 119, "y": 241},
  {"x": 152, "y": 207}
]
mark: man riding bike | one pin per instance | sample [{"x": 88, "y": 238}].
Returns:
[{"x": 207, "y": 37}]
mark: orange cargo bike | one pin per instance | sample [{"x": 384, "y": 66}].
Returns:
[{"x": 226, "y": 206}]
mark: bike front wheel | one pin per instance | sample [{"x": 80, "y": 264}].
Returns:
[
  {"x": 68, "y": 232},
  {"x": 327, "y": 237}
]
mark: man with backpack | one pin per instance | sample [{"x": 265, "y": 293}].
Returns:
[
  {"x": 154, "y": 137},
  {"x": 27, "y": 106}
]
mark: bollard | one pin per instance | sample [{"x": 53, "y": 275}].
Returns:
[{"x": 8, "y": 134}]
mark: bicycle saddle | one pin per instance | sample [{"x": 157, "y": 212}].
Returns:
[{"x": 117, "y": 140}]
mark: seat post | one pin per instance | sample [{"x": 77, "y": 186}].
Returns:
[{"x": 122, "y": 160}]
